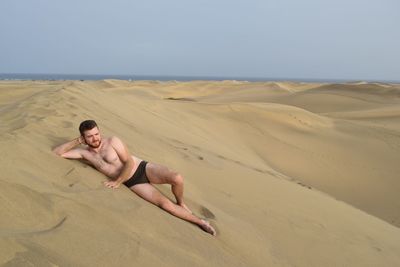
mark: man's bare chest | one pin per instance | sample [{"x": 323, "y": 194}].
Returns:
[
  {"x": 109, "y": 155},
  {"x": 105, "y": 157}
]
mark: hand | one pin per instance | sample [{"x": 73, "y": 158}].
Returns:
[
  {"x": 112, "y": 184},
  {"x": 81, "y": 140}
]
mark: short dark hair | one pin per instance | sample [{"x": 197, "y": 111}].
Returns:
[{"x": 87, "y": 125}]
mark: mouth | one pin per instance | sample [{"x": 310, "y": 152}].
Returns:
[{"x": 95, "y": 144}]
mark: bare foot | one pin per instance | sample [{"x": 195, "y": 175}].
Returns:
[
  {"x": 206, "y": 226},
  {"x": 185, "y": 207}
]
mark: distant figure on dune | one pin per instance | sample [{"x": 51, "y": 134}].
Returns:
[{"x": 111, "y": 157}]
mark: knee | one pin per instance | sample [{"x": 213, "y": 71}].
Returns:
[{"x": 177, "y": 179}]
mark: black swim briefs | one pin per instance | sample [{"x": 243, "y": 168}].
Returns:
[{"x": 139, "y": 177}]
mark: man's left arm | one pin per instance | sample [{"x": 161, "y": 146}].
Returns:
[{"x": 126, "y": 159}]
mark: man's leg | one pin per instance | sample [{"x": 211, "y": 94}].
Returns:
[
  {"x": 159, "y": 174},
  {"x": 151, "y": 194}
]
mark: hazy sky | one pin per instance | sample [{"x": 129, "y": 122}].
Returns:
[{"x": 337, "y": 39}]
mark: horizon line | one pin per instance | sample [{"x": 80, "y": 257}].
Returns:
[{"x": 187, "y": 77}]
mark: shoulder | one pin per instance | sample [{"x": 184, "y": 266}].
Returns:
[
  {"x": 114, "y": 140},
  {"x": 120, "y": 148},
  {"x": 85, "y": 152},
  {"x": 116, "y": 143}
]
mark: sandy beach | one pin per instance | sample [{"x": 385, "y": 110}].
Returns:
[{"x": 290, "y": 174}]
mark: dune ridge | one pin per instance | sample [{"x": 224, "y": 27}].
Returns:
[{"x": 290, "y": 174}]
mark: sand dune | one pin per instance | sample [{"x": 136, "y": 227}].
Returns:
[{"x": 290, "y": 174}]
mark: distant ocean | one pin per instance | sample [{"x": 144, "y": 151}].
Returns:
[{"x": 53, "y": 77}]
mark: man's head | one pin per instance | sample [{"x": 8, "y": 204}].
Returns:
[{"x": 90, "y": 132}]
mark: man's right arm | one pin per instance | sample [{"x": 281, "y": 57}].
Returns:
[{"x": 68, "y": 150}]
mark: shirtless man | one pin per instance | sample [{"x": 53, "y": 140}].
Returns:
[{"x": 111, "y": 157}]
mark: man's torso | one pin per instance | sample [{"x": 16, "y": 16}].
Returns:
[{"x": 106, "y": 160}]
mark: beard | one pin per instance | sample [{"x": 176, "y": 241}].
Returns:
[{"x": 95, "y": 146}]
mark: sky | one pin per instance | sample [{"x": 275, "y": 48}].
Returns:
[{"x": 293, "y": 39}]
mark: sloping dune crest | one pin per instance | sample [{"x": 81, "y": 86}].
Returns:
[{"x": 290, "y": 174}]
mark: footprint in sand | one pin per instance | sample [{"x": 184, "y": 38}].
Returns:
[
  {"x": 206, "y": 213},
  {"x": 304, "y": 185}
]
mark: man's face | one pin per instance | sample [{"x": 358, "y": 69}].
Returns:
[{"x": 92, "y": 137}]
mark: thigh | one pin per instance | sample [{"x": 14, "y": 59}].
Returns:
[
  {"x": 159, "y": 174},
  {"x": 149, "y": 193}
]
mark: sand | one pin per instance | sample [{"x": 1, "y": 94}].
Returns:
[{"x": 290, "y": 174}]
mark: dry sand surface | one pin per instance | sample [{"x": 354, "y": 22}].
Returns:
[{"x": 290, "y": 174}]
